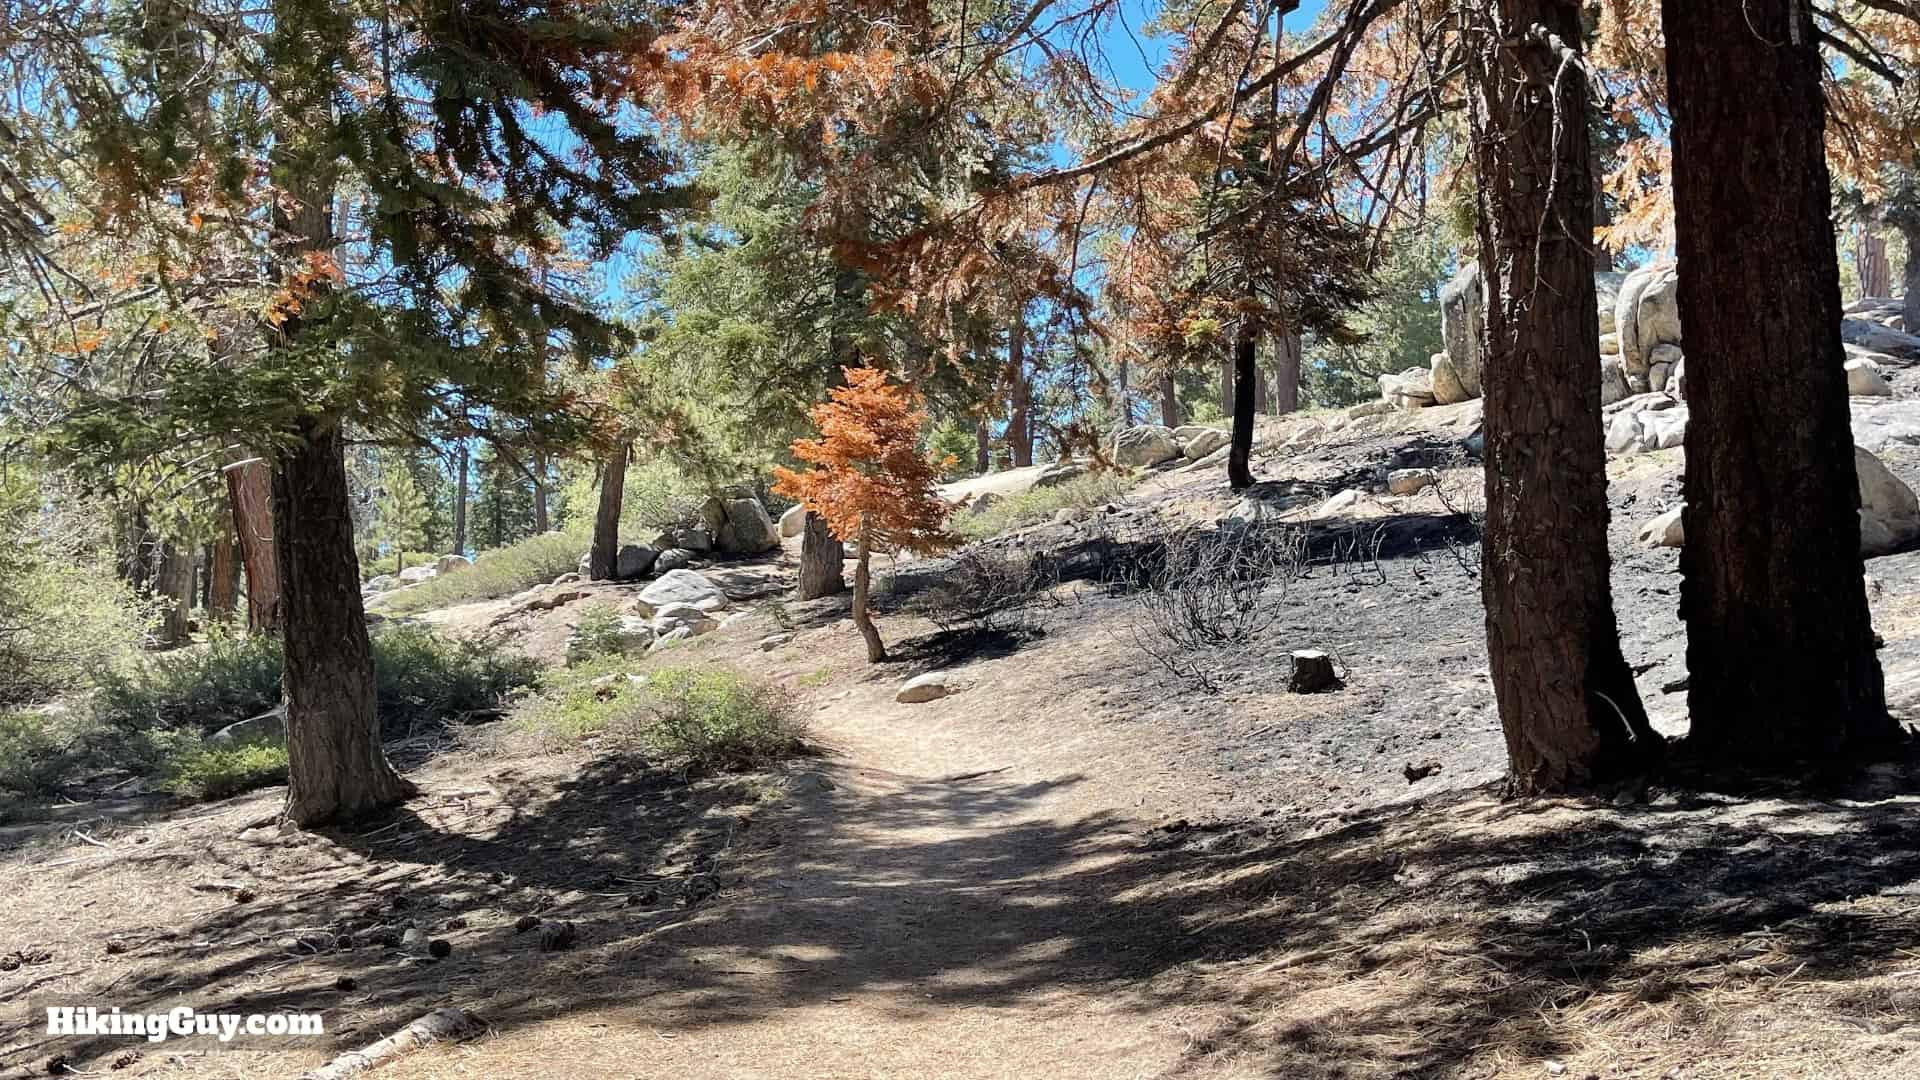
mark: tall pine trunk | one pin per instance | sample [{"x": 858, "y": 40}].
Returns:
[
  {"x": 336, "y": 770},
  {"x": 460, "y": 498},
  {"x": 175, "y": 582},
  {"x": 1019, "y": 392},
  {"x": 603, "y": 560},
  {"x": 1245, "y": 374},
  {"x": 1910, "y": 277},
  {"x": 982, "y": 447},
  {"x": 1169, "y": 401},
  {"x": 250, "y": 495},
  {"x": 1286, "y": 372},
  {"x": 822, "y": 560},
  {"x": 1567, "y": 700},
  {"x": 862, "y": 595},
  {"x": 223, "y": 577},
  {"x": 1780, "y": 654},
  {"x": 540, "y": 522}
]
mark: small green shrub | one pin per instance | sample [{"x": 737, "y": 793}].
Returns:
[
  {"x": 207, "y": 686},
  {"x": 500, "y": 572},
  {"x": 597, "y": 634},
  {"x": 716, "y": 719},
  {"x": 570, "y": 705},
  {"x": 1039, "y": 504},
  {"x": 425, "y": 677},
  {"x": 200, "y": 771},
  {"x": 32, "y": 758},
  {"x": 422, "y": 676}
]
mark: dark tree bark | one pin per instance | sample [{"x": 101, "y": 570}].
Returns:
[
  {"x": 1910, "y": 277},
  {"x": 175, "y": 582},
  {"x": 460, "y": 498},
  {"x": 1780, "y": 654},
  {"x": 1246, "y": 373},
  {"x": 862, "y": 590},
  {"x": 1567, "y": 700},
  {"x": 603, "y": 560},
  {"x": 250, "y": 494},
  {"x": 1870, "y": 260},
  {"x": 336, "y": 770},
  {"x": 1169, "y": 401},
  {"x": 1019, "y": 393},
  {"x": 223, "y": 578},
  {"x": 1226, "y": 384},
  {"x": 540, "y": 521},
  {"x": 1286, "y": 373},
  {"x": 822, "y": 560},
  {"x": 982, "y": 448}
]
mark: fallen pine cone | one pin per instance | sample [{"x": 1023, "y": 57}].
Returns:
[{"x": 557, "y": 936}]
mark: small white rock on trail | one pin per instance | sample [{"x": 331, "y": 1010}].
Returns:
[{"x": 938, "y": 911}]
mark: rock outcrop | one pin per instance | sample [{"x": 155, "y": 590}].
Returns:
[{"x": 1146, "y": 445}]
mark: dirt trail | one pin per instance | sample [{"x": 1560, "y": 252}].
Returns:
[{"x": 937, "y": 911}]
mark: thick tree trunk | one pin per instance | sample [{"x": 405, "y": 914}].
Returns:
[
  {"x": 136, "y": 551},
  {"x": 460, "y": 498},
  {"x": 250, "y": 494},
  {"x": 1019, "y": 393},
  {"x": 1246, "y": 374},
  {"x": 1286, "y": 373},
  {"x": 1567, "y": 700},
  {"x": 1123, "y": 404},
  {"x": 1910, "y": 279},
  {"x": 223, "y": 578},
  {"x": 822, "y": 560},
  {"x": 604, "y": 558},
  {"x": 540, "y": 523},
  {"x": 175, "y": 582},
  {"x": 336, "y": 770},
  {"x": 982, "y": 448},
  {"x": 1780, "y": 654},
  {"x": 1169, "y": 401},
  {"x": 1870, "y": 259},
  {"x": 862, "y": 589},
  {"x": 1226, "y": 384}
]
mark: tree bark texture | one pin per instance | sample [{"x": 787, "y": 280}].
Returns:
[
  {"x": 336, "y": 770},
  {"x": 1169, "y": 401},
  {"x": 223, "y": 577},
  {"x": 250, "y": 494},
  {"x": 1019, "y": 393},
  {"x": 822, "y": 560},
  {"x": 1568, "y": 705},
  {"x": 603, "y": 559},
  {"x": 175, "y": 582},
  {"x": 1286, "y": 372},
  {"x": 1246, "y": 373},
  {"x": 460, "y": 498},
  {"x": 862, "y": 596},
  {"x": 1780, "y": 652},
  {"x": 982, "y": 448}
]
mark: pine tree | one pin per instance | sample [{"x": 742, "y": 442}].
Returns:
[{"x": 869, "y": 480}]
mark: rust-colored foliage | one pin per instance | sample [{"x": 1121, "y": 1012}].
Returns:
[{"x": 869, "y": 478}]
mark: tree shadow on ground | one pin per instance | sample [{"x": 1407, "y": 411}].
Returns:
[{"x": 1417, "y": 940}]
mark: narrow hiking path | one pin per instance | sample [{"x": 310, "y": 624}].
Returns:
[{"x": 935, "y": 904}]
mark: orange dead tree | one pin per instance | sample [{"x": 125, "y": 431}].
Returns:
[{"x": 870, "y": 480}]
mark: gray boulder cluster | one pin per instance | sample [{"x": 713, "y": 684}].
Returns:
[
  {"x": 414, "y": 575},
  {"x": 731, "y": 524},
  {"x": 1889, "y": 512},
  {"x": 1148, "y": 445},
  {"x": 680, "y": 605},
  {"x": 1641, "y": 347}
]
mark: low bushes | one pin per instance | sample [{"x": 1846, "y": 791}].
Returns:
[
  {"x": 1039, "y": 504},
  {"x": 151, "y": 717},
  {"x": 708, "y": 719},
  {"x": 500, "y": 572}
]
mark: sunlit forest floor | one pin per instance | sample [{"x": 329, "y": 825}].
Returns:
[{"x": 1077, "y": 864}]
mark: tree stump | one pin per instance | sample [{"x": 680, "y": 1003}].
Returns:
[{"x": 1312, "y": 673}]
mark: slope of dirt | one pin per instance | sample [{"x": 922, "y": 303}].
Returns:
[{"x": 1077, "y": 864}]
